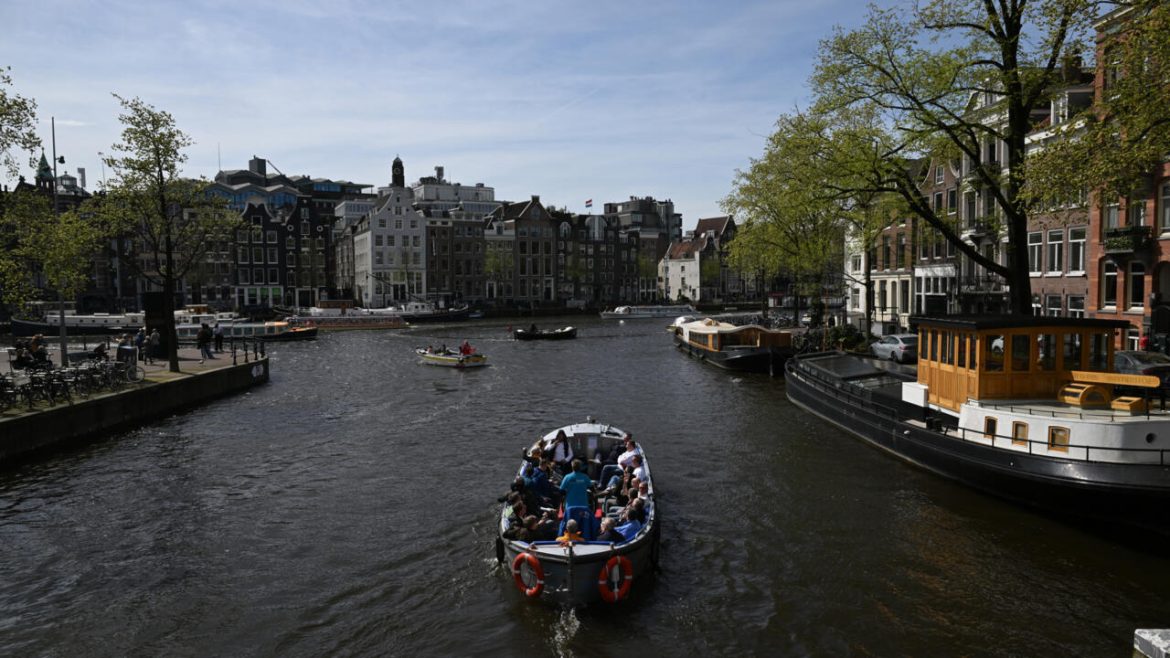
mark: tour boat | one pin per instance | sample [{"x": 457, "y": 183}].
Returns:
[
  {"x": 639, "y": 312},
  {"x": 749, "y": 348},
  {"x": 276, "y": 330},
  {"x": 347, "y": 319},
  {"x": 564, "y": 333},
  {"x": 96, "y": 324},
  {"x": 584, "y": 571},
  {"x": 451, "y": 358},
  {"x": 1026, "y": 408}
]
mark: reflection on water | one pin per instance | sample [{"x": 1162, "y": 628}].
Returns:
[{"x": 348, "y": 508}]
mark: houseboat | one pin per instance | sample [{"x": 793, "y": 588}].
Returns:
[
  {"x": 748, "y": 348},
  {"x": 1025, "y": 408},
  {"x": 583, "y": 571},
  {"x": 642, "y": 312},
  {"x": 96, "y": 324}
]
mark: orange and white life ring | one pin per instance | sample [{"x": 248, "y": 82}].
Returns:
[
  {"x": 537, "y": 570},
  {"x": 625, "y": 578}
]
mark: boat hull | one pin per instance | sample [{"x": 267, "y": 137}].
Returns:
[
  {"x": 741, "y": 359},
  {"x": 294, "y": 334},
  {"x": 1134, "y": 493},
  {"x": 24, "y": 328},
  {"x": 557, "y": 334},
  {"x": 450, "y": 315},
  {"x": 452, "y": 360},
  {"x": 575, "y": 581}
]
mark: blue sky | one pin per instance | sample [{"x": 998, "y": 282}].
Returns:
[{"x": 568, "y": 100}]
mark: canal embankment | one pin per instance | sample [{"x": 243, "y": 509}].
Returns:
[{"x": 25, "y": 431}]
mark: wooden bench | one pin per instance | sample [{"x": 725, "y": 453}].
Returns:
[
  {"x": 1086, "y": 396},
  {"x": 1131, "y": 404}
]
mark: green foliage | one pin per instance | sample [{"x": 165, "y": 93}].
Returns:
[
  {"x": 18, "y": 120},
  {"x": 57, "y": 247},
  {"x": 173, "y": 220},
  {"x": 497, "y": 263},
  {"x": 1114, "y": 145},
  {"x": 918, "y": 70}
]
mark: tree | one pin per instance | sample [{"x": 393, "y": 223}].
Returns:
[
  {"x": 18, "y": 118},
  {"x": 797, "y": 202},
  {"x": 921, "y": 71},
  {"x": 497, "y": 263},
  {"x": 172, "y": 220},
  {"x": 56, "y": 248},
  {"x": 1115, "y": 144}
]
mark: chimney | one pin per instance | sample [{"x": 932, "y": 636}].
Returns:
[
  {"x": 81, "y": 175},
  {"x": 439, "y": 173},
  {"x": 258, "y": 166},
  {"x": 535, "y": 198}
]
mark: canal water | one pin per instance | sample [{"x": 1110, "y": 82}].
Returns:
[{"x": 348, "y": 508}]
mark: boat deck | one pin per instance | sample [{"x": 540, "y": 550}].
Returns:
[{"x": 1055, "y": 409}]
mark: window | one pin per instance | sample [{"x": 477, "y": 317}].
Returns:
[
  {"x": 938, "y": 202},
  {"x": 1112, "y": 218},
  {"x": 271, "y": 237},
  {"x": 1052, "y": 306},
  {"x": 1137, "y": 286},
  {"x": 273, "y": 255},
  {"x": 1076, "y": 306},
  {"x": 1164, "y": 210},
  {"x": 990, "y": 426},
  {"x": 273, "y": 275},
  {"x": 244, "y": 275},
  {"x": 1019, "y": 433},
  {"x": 1035, "y": 241},
  {"x": 938, "y": 173},
  {"x": 1055, "y": 252},
  {"x": 1108, "y": 285},
  {"x": 1021, "y": 350},
  {"x": 1072, "y": 352},
  {"x": 1058, "y": 438},
  {"x": 1046, "y": 346},
  {"x": 952, "y": 201},
  {"x": 1076, "y": 250},
  {"x": 1137, "y": 212},
  {"x": 855, "y": 263}
]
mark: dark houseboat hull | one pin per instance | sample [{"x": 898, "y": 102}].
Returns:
[
  {"x": 556, "y": 334},
  {"x": 21, "y": 328},
  {"x": 1133, "y": 493},
  {"x": 741, "y": 359},
  {"x": 294, "y": 334},
  {"x": 450, "y": 315}
]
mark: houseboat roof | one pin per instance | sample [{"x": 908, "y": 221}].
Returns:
[{"x": 978, "y": 322}]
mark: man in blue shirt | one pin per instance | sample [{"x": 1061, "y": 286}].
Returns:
[{"x": 576, "y": 486}]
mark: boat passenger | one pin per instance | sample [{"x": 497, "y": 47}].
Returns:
[
  {"x": 532, "y": 329},
  {"x": 639, "y": 468},
  {"x": 613, "y": 469},
  {"x": 572, "y": 533},
  {"x": 562, "y": 452},
  {"x": 609, "y": 532},
  {"x": 466, "y": 349},
  {"x": 516, "y": 509},
  {"x": 542, "y": 529},
  {"x": 576, "y": 486},
  {"x": 539, "y": 484},
  {"x": 531, "y": 501},
  {"x": 635, "y": 511}
]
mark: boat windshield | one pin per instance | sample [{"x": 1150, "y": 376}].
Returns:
[{"x": 1150, "y": 358}]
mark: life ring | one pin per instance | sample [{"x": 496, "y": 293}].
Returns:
[
  {"x": 625, "y": 578},
  {"x": 537, "y": 571}
]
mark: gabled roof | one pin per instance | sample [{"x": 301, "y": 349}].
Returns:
[
  {"x": 685, "y": 248},
  {"x": 717, "y": 225}
]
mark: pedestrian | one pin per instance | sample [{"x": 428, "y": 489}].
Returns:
[
  {"x": 218, "y": 333},
  {"x": 140, "y": 343},
  {"x": 203, "y": 340},
  {"x": 152, "y": 345},
  {"x": 1144, "y": 343}
]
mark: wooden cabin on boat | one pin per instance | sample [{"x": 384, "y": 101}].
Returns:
[{"x": 1010, "y": 357}]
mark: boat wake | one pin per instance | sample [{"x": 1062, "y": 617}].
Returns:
[{"x": 565, "y": 630}]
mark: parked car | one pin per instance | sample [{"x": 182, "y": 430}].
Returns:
[
  {"x": 1135, "y": 362},
  {"x": 902, "y": 348}
]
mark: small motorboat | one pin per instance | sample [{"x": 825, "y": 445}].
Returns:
[
  {"x": 564, "y": 333},
  {"x": 451, "y": 358},
  {"x": 585, "y": 570}
]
